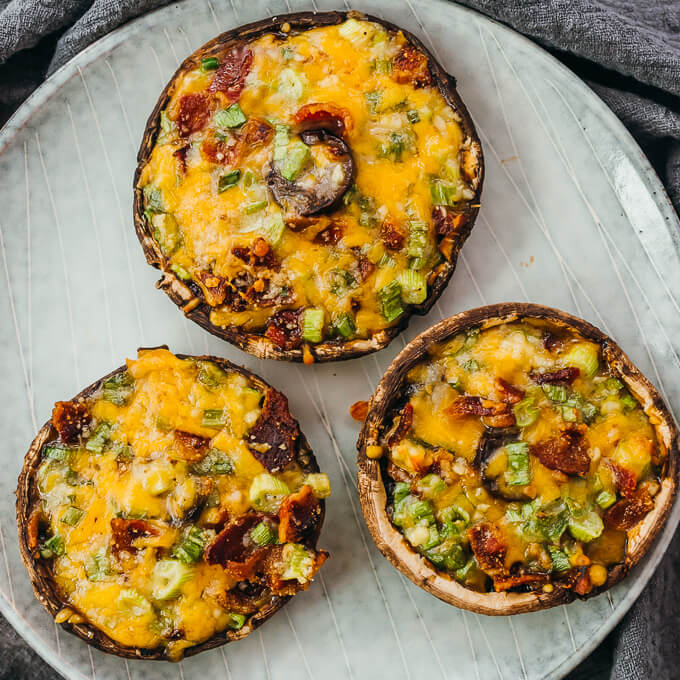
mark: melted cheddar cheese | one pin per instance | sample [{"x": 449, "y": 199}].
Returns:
[
  {"x": 519, "y": 461},
  {"x": 407, "y": 147},
  {"x": 131, "y": 507}
]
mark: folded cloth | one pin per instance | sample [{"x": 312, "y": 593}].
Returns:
[{"x": 629, "y": 53}]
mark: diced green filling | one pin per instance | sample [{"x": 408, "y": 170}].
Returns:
[
  {"x": 153, "y": 200},
  {"x": 190, "y": 548},
  {"x": 262, "y": 534},
  {"x": 560, "y": 562},
  {"x": 413, "y": 286},
  {"x": 273, "y": 230},
  {"x": 209, "y": 64},
  {"x": 57, "y": 451},
  {"x": 294, "y": 160},
  {"x": 344, "y": 325},
  {"x": 118, "y": 388},
  {"x": 443, "y": 193},
  {"x": 168, "y": 578},
  {"x": 583, "y": 356},
  {"x": 180, "y": 272},
  {"x": 254, "y": 207},
  {"x": 585, "y": 525},
  {"x": 518, "y": 472},
  {"x": 230, "y": 118},
  {"x": 99, "y": 439},
  {"x": 52, "y": 547},
  {"x": 229, "y": 180},
  {"x": 236, "y": 621},
  {"x": 210, "y": 374},
  {"x": 413, "y": 116},
  {"x": 526, "y": 412},
  {"x": 215, "y": 418},
  {"x": 312, "y": 324},
  {"x": 298, "y": 563},
  {"x": 215, "y": 462},
  {"x": 166, "y": 232},
  {"x": 389, "y": 297},
  {"x": 281, "y": 140},
  {"x": 98, "y": 567},
  {"x": 320, "y": 484},
  {"x": 267, "y": 493},
  {"x": 72, "y": 516}
]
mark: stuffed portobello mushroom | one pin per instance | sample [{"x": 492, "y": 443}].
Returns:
[
  {"x": 305, "y": 184},
  {"x": 171, "y": 507},
  {"x": 513, "y": 458}
]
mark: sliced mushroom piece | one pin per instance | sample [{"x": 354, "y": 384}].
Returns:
[
  {"x": 321, "y": 183},
  {"x": 491, "y": 468}
]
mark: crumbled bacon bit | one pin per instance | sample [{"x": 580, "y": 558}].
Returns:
[
  {"x": 410, "y": 66},
  {"x": 214, "y": 287},
  {"x": 283, "y": 329},
  {"x": 391, "y": 235},
  {"x": 189, "y": 446},
  {"x": 447, "y": 222},
  {"x": 502, "y": 421},
  {"x": 503, "y": 582},
  {"x": 625, "y": 479},
  {"x": 365, "y": 268},
  {"x": 230, "y": 544},
  {"x": 476, "y": 406},
  {"x": 257, "y": 255},
  {"x": 583, "y": 584},
  {"x": 181, "y": 156},
  {"x": 194, "y": 111},
  {"x": 563, "y": 375},
  {"x": 219, "y": 152},
  {"x": 331, "y": 234},
  {"x": 231, "y": 75},
  {"x": 488, "y": 545},
  {"x": 335, "y": 119},
  {"x": 298, "y": 516},
  {"x": 627, "y": 512},
  {"x": 509, "y": 393},
  {"x": 359, "y": 410},
  {"x": 126, "y": 531},
  {"x": 70, "y": 419},
  {"x": 403, "y": 426},
  {"x": 551, "y": 342},
  {"x": 567, "y": 453},
  {"x": 272, "y": 438},
  {"x": 256, "y": 132}
]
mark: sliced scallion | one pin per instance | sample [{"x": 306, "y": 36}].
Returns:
[
  {"x": 230, "y": 118},
  {"x": 236, "y": 621},
  {"x": 118, "y": 388},
  {"x": 98, "y": 440},
  {"x": 72, "y": 516},
  {"x": 251, "y": 208},
  {"x": 560, "y": 562},
  {"x": 215, "y": 418},
  {"x": 190, "y": 548},
  {"x": 518, "y": 472},
  {"x": 262, "y": 534},
  {"x": 389, "y": 297},
  {"x": 321, "y": 485},
  {"x": 344, "y": 325},
  {"x": 215, "y": 462},
  {"x": 229, "y": 180},
  {"x": 312, "y": 324},
  {"x": 413, "y": 286},
  {"x": 52, "y": 547},
  {"x": 267, "y": 492},
  {"x": 98, "y": 566},
  {"x": 294, "y": 160},
  {"x": 168, "y": 578},
  {"x": 526, "y": 412},
  {"x": 209, "y": 64}
]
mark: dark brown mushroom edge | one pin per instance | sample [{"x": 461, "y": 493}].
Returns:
[
  {"x": 305, "y": 184},
  {"x": 171, "y": 507},
  {"x": 513, "y": 458}
]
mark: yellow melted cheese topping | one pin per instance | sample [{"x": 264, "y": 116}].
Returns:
[
  {"x": 492, "y": 500},
  {"x": 407, "y": 146},
  {"x": 159, "y": 591}
]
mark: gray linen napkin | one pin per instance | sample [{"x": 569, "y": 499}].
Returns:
[{"x": 629, "y": 53}]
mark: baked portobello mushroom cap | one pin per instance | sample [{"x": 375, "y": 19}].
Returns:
[
  {"x": 171, "y": 507},
  {"x": 305, "y": 184},
  {"x": 486, "y": 470}
]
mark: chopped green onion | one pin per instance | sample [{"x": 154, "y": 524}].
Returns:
[
  {"x": 291, "y": 84},
  {"x": 462, "y": 573},
  {"x": 287, "y": 53},
  {"x": 569, "y": 414},
  {"x": 131, "y": 600},
  {"x": 215, "y": 418},
  {"x": 382, "y": 66},
  {"x": 613, "y": 385},
  {"x": 456, "y": 511},
  {"x": 281, "y": 139},
  {"x": 518, "y": 472},
  {"x": 417, "y": 239},
  {"x": 471, "y": 365},
  {"x": 273, "y": 229},
  {"x": 98, "y": 567},
  {"x": 556, "y": 393},
  {"x": 321, "y": 485},
  {"x": 210, "y": 374},
  {"x": 72, "y": 516},
  {"x": 118, "y": 388},
  {"x": 168, "y": 578},
  {"x": 401, "y": 490},
  {"x": 585, "y": 525},
  {"x": 180, "y": 272},
  {"x": 344, "y": 325},
  {"x": 446, "y": 555},
  {"x": 209, "y": 64},
  {"x": 98, "y": 440},
  {"x": 298, "y": 563},
  {"x": 413, "y": 286},
  {"x": 58, "y": 452},
  {"x": 262, "y": 534},
  {"x": 443, "y": 193},
  {"x": 413, "y": 116},
  {"x": 215, "y": 462},
  {"x": 190, "y": 548},
  {"x": 229, "y": 180},
  {"x": 312, "y": 324},
  {"x": 628, "y": 402},
  {"x": 267, "y": 493},
  {"x": 153, "y": 199},
  {"x": 583, "y": 355},
  {"x": 230, "y": 118},
  {"x": 560, "y": 562},
  {"x": 251, "y": 208},
  {"x": 122, "y": 451},
  {"x": 526, "y": 412},
  {"x": 431, "y": 485},
  {"x": 390, "y": 301},
  {"x": 294, "y": 160},
  {"x": 605, "y": 498},
  {"x": 166, "y": 124},
  {"x": 341, "y": 281},
  {"x": 52, "y": 547},
  {"x": 166, "y": 232},
  {"x": 236, "y": 621},
  {"x": 373, "y": 99},
  {"x": 386, "y": 261}
]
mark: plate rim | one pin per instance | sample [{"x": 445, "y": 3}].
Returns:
[{"x": 671, "y": 222}]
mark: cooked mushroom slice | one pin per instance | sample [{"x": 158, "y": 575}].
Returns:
[
  {"x": 313, "y": 175},
  {"x": 503, "y": 463}
]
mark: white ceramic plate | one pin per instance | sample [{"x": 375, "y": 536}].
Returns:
[{"x": 572, "y": 217}]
